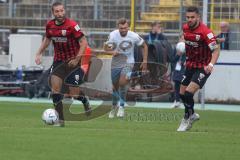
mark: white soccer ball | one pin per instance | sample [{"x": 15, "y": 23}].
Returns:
[
  {"x": 181, "y": 47},
  {"x": 50, "y": 116}
]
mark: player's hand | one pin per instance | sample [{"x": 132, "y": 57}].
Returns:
[
  {"x": 73, "y": 62},
  {"x": 38, "y": 59},
  {"x": 209, "y": 68},
  {"x": 179, "y": 53},
  {"x": 220, "y": 40},
  {"x": 115, "y": 53},
  {"x": 143, "y": 66}
]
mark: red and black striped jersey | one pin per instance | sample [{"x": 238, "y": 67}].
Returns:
[
  {"x": 65, "y": 38},
  {"x": 200, "y": 43}
]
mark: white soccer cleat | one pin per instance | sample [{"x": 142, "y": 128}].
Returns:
[
  {"x": 120, "y": 112},
  {"x": 59, "y": 123},
  {"x": 112, "y": 112},
  {"x": 194, "y": 117},
  {"x": 184, "y": 125},
  {"x": 176, "y": 104}
]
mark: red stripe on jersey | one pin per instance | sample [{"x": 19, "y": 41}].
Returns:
[
  {"x": 197, "y": 43},
  {"x": 65, "y": 39}
]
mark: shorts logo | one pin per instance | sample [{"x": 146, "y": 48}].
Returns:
[
  {"x": 76, "y": 78},
  {"x": 201, "y": 76},
  {"x": 64, "y": 32}
]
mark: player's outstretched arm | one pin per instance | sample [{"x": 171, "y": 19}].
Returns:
[
  {"x": 83, "y": 45},
  {"x": 145, "y": 56},
  {"x": 45, "y": 43}
]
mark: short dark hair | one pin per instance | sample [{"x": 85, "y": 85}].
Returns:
[
  {"x": 155, "y": 23},
  {"x": 56, "y": 4},
  {"x": 193, "y": 9},
  {"x": 122, "y": 21}
]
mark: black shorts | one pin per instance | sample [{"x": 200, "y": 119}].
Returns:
[
  {"x": 195, "y": 75},
  {"x": 73, "y": 76}
]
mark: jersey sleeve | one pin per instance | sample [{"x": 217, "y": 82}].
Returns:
[
  {"x": 138, "y": 40},
  {"x": 210, "y": 39},
  {"x": 111, "y": 38},
  {"x": 76, "y": 30}
]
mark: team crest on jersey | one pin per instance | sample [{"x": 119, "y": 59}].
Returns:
[
  {"x": 198, "y": 37},
  {"x": 64, "y": 32}
]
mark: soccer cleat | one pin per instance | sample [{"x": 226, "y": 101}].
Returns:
[
  {"x": 59, "y": 123},
  {"x": 112, "y": 112},
  {"x": 120, "y": 112},
  {"x": 184, "y": 125},
  {"x": 194, "y": 117},
  {"x": 176, "y": 104},
  {"x": 87, "y": 107}
]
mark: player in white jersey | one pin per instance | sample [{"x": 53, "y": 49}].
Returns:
[{"x": 121, "y": 42}]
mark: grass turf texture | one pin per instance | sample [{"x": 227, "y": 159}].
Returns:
[{"x": 23, "y": 136}]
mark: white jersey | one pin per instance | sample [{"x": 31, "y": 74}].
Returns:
[{"x": 124, "y": 46}]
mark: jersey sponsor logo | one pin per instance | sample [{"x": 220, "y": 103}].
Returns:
[
  {"x": 64, "y": 32},
  {"x": 59, "y": 39},
  {"x": 77, "y": 28},
  {"x": 213, "y": 45},
  {"x": 210, "y": 35},
  {"x": 191, "y": 43},
  {"x": 198, "y": 37}
]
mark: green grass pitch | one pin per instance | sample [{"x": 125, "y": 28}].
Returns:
[{"x": 23, "y": 136}]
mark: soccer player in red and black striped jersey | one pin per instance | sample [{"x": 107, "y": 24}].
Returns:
[
  {"x": 202, "y": 53},
  {"x": 69, "y": 47}
]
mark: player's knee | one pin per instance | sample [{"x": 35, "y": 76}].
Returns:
[
  {"x": 123, "y": 80},
  {"x": 182, "y": 96},
  {"x": 57, "y": 98},
  {"x": 188, "y": 94}
]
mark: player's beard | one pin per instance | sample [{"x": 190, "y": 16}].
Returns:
[
  {"x": 123, "y": 34},
  {"x": 60, "y": 20},
  {"x": 193, "y": 25}
]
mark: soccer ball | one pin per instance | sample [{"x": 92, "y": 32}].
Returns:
[
  {"x": 50, "y": 116},
  {"x": 180, "y": 47}
]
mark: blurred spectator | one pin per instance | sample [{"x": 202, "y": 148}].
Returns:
[
  {"x": 3, "y": 1},
  {"x": 155, "y": 34},
  {"x": 223, "y": 37},
  {"x": 177, "y": 75}
]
